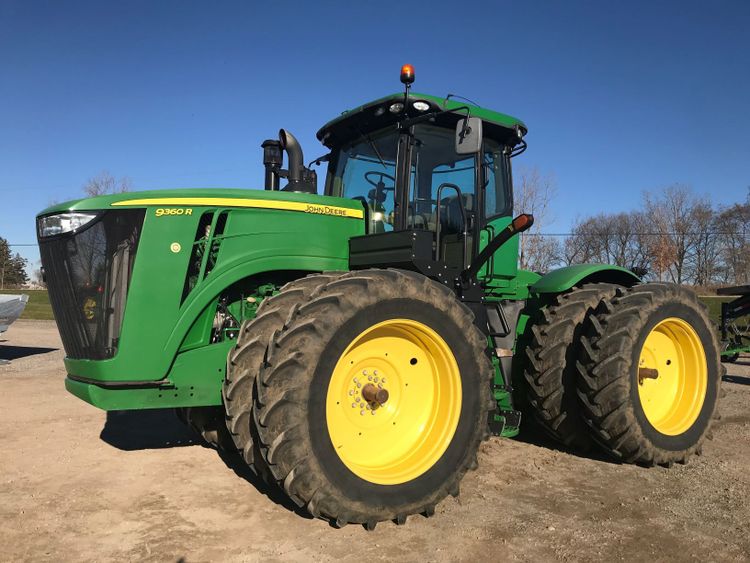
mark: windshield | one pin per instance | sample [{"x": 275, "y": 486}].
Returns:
[{"x": 366, "y": 170}]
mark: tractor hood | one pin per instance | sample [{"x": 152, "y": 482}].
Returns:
[{"x": 212, "y": 197}]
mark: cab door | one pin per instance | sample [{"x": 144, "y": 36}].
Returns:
[
  {"x": 498, "y": 212},
  {"x": 442, "y": 197}
]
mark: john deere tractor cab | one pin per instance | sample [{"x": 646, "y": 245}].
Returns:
[{"x": 356, "y": 347}]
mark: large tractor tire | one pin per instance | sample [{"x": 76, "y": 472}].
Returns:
[
  {"x": 246, "y": 357},
  {"x": 650, "y": 374},
  {"x": 374, "y": 398},
  {"x": 551, "y": 372}
]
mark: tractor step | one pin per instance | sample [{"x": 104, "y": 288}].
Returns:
[{"x": 506, "y": 423}]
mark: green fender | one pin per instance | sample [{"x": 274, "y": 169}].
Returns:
[{"x": 563, "y": 279}]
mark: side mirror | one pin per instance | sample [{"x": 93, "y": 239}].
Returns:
[{"x": 469, "y": 135}]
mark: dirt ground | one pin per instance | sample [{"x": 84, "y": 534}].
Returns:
[{"x": 79, "y": 485}]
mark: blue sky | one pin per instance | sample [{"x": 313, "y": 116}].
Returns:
[{"x": 619, "y": 97}]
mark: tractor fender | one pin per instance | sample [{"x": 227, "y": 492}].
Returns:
[
  {"x": 565, "y": 278},
  {"x": 241, "y": 269}
]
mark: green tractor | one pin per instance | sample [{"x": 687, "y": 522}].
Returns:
[{"x": 356, "y": 347}]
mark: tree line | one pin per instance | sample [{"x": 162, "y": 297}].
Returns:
[
  {"x": 674, "y": 235},
  {"x": 12, "y": 267}
]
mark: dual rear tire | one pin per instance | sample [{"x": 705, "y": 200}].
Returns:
[
  {"x": 551, "y": 372},
  {"x": 635, "y": 371},
  {"x": 370, "y": 399}
]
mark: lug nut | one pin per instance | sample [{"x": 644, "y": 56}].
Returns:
[
  {"x": 351, "y": 392},
  {"x": 354, "y": 405},
  {"x": 369, "y": 378},
  {"x": 359, "y": 385},
  {"x": 375, "y": 372},
  {"x": 358, "y": 399},
  {"x": 364, "y": 372},
  {"x": 382, "y": 379},
  {"x": 362, "y": 413}
]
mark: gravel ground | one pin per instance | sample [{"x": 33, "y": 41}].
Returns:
[{"x": 78, "y": 484}]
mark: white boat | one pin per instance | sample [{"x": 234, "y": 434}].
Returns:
[{"x": 11, "y": 307}]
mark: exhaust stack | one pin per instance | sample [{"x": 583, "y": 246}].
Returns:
[
  {"x": 290, "y": 144},
  {"x": 300, "y": 178}
]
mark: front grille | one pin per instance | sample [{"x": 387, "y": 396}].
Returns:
[{"x": 88, "y": 274}]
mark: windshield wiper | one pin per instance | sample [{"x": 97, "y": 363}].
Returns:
[{"x": 373, "y": 147}]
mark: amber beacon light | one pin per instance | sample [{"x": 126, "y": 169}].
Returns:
[{"x": 407, "y": 74}]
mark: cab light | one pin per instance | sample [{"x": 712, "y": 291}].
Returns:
[
  {"x": 398, "y": 107},
  {"x": 421, "y": 106}
]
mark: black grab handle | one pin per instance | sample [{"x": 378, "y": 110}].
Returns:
[{"x": 517, "y": 225}]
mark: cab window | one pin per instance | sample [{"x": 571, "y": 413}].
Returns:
[
  {"x": 436, "y": 173},
  {"x": 497, "y": 193},
  {"x": 366, "y": 170}
]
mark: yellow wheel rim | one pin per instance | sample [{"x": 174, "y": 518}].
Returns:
[
  {"x": 400, "y": 439},
  {"x": 672, "y": 376}
]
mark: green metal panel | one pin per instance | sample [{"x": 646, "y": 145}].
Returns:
[
  {"x": 255, "y": 240},
  {"x": 563, "y": 279},
  {"x": 504, "y": 263},
  {"x": 194, "y": 380}
]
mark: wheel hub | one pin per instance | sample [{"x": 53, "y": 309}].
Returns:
[{"x": 371, "y": 395}]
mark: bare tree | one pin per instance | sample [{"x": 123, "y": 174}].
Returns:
[
  {"x": 543, "y": 253},
  {"x": 610, "y": 239},
  {"x": 104, "y": 183},
  {"x": 678, "y": 237},
  {"x": 702, "y": 260},
  {"x": 674, "y": 212},
  {"x": 534, "y": 193},
  {"x": 583, "y": 245}
]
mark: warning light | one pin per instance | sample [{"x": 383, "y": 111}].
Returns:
[
  {"x": 522, "y": 222},
  {"x": 407, "y": 74}
]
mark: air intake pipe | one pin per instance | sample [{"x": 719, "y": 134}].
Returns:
[{"x": 272, "y": 160}]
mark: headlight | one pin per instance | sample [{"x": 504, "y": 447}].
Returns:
[{"x": 52, "y": 225}]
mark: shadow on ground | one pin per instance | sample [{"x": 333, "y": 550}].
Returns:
[
  {"x": 532, "y": 433},
  {"x": 18, "y": 352},
  {"x": 149, "y": 429},
  {"x": 234, "y": 462},
  {"x": 160, "y": 428},
  {"x": 737, "y": 379}
]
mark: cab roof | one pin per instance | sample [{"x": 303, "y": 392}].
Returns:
[{"x": 372, "y": 114}]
